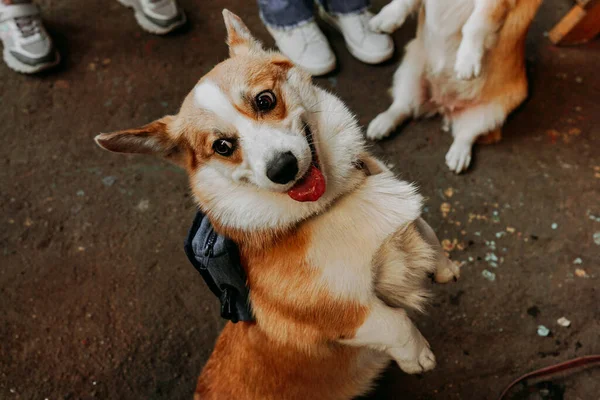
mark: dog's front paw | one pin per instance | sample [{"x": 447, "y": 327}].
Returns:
[
  {"x": 458, "y": 157},
  {"x": 425, "y": 361},
  {"x": 381, "y": 126},
  {"x": 387, "y": 20},
  {"x": 468, "y": 62}
]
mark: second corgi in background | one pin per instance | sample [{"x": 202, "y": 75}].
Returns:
[{"x": 467, "y": 63}]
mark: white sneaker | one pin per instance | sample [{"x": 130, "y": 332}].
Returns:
[
  {"x": 157, "y": 16},
  {"x": 27, "y": 46},
  {"x": 368, "y": 46},
  {"x": 306, "y": 46}
]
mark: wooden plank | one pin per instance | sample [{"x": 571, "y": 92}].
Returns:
[{"x": 578, "y": 26}]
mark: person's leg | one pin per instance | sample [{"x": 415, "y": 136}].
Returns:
[
  {"x": 351, "y": 18},
  {"x": 292, "y": 25},
  {"x": 341, "y": 7},
  {"x": 27, "y": 46},
  {"x": 157, "y": 16},
  {"x": 285, "y": 14}
]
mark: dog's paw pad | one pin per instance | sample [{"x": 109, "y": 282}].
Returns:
[
  {"x": 380, "y": 127},
  {"x": 468, "y": 63},
  {"x": 458, "y": 157}
]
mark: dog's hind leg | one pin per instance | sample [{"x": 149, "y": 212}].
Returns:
[
  {"x": 445, "y": 269},
  {"x": 407, "y": 93},
  {"x": 467, "y": 126}
]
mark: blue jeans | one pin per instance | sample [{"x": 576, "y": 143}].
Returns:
[{"x": 292, "y": 13}]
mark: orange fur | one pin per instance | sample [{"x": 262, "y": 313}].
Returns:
[{"x": 248, "y": 364}]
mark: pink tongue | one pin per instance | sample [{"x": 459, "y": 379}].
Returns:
[{"x": 309, "y": 188}]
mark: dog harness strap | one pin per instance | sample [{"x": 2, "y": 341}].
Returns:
[{"x": 217, "y": 260}]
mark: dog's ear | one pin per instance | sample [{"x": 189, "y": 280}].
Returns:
[
  {"x": 239, "y": 38},
  {"x": 152, "y": 138}
]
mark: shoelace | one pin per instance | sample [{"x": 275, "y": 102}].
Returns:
[
  {"x": 310, "y": 33},
  {"x": 364, "y": 19},
  {"x": 28, "y": 26}
]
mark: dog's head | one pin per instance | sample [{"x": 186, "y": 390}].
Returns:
[{"x": 263, "y": 147}]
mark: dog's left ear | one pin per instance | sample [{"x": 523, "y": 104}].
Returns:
[
  {"x": 239, "y": 38},
  {"x": 152, "y": 138}
]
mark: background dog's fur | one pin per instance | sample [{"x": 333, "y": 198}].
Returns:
[
  {"x": 467, "y": 62},
  {"x": 322, "y": 274}
]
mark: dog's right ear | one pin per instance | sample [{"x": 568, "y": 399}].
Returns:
[
  {"x": 153, "y": 138},
  {"x": 239, "y": 38}
]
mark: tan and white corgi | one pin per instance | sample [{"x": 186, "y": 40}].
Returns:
[
  {"x": 467, "y": 62},
  {"x": 331, "y": 242}
]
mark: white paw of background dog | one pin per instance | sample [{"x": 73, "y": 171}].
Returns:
[
  {"x": 387, "y": 20},
  {"x": 468, "y": 63},
  {"x": 458, "y": 157},
  {"x": 380, "y": 127}
]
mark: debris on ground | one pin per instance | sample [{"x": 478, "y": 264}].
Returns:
[
  {"x": 510, "y": 229},
  {"x": 578, "y": 261},
  {"x": 109, "y": 180},
  {"x": 143, "y": 205},
  {"x": 449, "y": 245},
  {"x": 445, "y": 209},
  {"x": 449, "y": 192},
  {"x": 490, "y": 276},
  {"x": 581, "y": 273},
  {"x": 554, "y": 225},
  {"x": 597, "y": 238},
  {"x": 491, "y": 259},
  {"x": 543, "y": 331},
  {"x": 562, "y": 321},
  {"x": 478, "y": 217}
]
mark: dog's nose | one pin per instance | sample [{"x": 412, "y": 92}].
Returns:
[{"x": 282, "y": 168}]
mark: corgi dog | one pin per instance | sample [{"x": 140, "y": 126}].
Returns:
[
  {"x": 332, "y": 244},
  {"x": 467, "y": 63}
]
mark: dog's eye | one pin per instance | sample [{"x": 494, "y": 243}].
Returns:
[
  {"x": 266, "y": 100},
  {"x": 223, "y": 147}
]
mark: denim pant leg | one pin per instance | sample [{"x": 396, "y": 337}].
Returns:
[
  {"x": 285, "y": 13},
  {"x": 345, "y": 6}
]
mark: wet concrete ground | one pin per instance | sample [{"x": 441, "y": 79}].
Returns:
[{"x": 99, "y": 301}]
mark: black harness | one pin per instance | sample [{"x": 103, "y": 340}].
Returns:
[{"x": 217, "y": 258}]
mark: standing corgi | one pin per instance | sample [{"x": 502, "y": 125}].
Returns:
[
  {"x": 467, "y": 63},
  {"x": 331, "y": 242}
]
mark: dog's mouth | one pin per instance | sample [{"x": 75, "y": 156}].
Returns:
[{"x": 312, "y": 185}]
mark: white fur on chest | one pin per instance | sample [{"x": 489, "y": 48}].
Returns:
[{"x": 346, "y": 237}]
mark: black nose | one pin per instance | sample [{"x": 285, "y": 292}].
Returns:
[{"x": 282, "y": 168}]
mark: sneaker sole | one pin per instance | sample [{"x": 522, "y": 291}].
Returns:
[
  {"x": 147, "y": 24},
  {"x": 18, "y": 66},
  {"x": 357, "y": 52}
]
